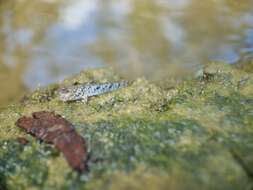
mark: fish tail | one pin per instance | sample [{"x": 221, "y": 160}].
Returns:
[
  {"x": 107, "y": 87},
  {"x": 115, "y": 86}
]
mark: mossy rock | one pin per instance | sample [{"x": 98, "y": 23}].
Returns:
[{"x": 197, "y": 135}]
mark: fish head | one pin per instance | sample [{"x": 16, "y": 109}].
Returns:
[{"x": 67, "y": 94}]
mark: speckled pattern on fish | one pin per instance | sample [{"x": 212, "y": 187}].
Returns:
[{"x": 84, "y": 91}]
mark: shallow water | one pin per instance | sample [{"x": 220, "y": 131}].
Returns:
[{"x": 44, "y": 41}]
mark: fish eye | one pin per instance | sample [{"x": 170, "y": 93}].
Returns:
[{"x": 64, "y": 90}]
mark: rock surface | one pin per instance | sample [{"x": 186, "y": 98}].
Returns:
[{"x": 195, "y": 135}]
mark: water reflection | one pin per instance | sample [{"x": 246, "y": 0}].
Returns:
[
  {"x": 46, "y": 40},
  {"x": 158, "y": 37}
]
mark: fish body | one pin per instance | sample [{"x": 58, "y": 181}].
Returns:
[{"x": 84, "y": 91}]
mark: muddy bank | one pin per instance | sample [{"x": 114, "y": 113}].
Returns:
[{"x": 144, "y": 136}]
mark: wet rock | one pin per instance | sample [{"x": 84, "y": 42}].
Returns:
[
  {"x": 54, "y": 129},
  {"x": 145, "y": 134}
]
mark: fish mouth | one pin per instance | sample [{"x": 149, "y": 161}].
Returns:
[
  {"x": 63, "y": 97},
  {"x": 62, "y": 94}
]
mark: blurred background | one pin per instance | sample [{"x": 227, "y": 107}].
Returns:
[{"x": 44, "y": 41}]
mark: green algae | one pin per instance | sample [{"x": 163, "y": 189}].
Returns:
[{"x": 142, "y": 137}]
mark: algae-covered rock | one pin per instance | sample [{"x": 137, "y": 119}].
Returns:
[{"x": 196, "y": 135}]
